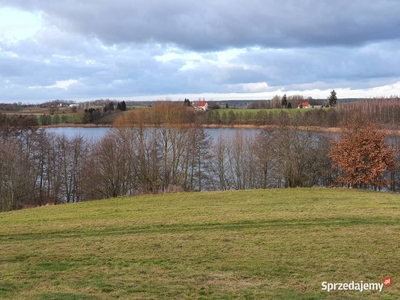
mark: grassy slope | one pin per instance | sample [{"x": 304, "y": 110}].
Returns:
[{"x": 276, "y": 244}]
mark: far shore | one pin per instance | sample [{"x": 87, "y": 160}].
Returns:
[
  {"x": 236, "y": 126},
  {"x": 74, "y": 125}
]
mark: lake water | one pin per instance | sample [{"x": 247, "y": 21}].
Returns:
[{"x": 96, "y": 133}]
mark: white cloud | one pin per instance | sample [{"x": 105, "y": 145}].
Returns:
[
  {"x": 257, "y": 87},
  {"x": 62, "y": 84},
  {"x": 18, "y": 25}
]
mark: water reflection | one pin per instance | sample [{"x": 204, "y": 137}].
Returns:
[
  {"x": 96, "y": 133},
  {"x": 91, "y": 133}
]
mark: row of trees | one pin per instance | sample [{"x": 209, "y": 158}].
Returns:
[
  {"x": 385, "y": 112},
  {"x": 309, "y": 117},
  {"x": 176, "y": 155},
  {"x": 380, "y": 111},
  {"x": 51, "y": 171},
  {"x": 291, "y": 101},
  {"x": 15, "y": 121}
]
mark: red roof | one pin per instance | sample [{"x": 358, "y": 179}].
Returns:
[
  {"x": 200, "y": 103},
  {"x": 303, "y": 104}
]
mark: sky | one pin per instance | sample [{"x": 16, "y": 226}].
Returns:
[{"x": 216, "y": 50}]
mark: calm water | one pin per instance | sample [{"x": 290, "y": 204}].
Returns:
[{"x": 96, "y": 133}]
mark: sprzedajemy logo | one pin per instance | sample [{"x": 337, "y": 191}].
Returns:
[{"x": 356, "y": 286}]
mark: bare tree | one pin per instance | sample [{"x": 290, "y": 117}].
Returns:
[
  {"x": 14, "y": 179},
  {"x": 108, "y": 173},
  {"x": 241, "y": 161},
  {"x": 266, "y": 162},
  {"x": 198, "y": 158},
  {"x": 220, "y": 163}
]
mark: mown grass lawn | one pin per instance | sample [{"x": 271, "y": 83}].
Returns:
[{"x": 261, "y": 244}]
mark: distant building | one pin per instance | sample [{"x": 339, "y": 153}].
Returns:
[
  {"x": 200, "y": 105},
  {"x": 303, "y": 105}
]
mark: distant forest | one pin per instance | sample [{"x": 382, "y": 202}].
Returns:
[{"x": 383, "y": 112}]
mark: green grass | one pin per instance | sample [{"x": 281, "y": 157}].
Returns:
[
  {"x": 256, "y": 110},
  {"x": 243, "y": 114},
  {"x": 261, "y": 244}
]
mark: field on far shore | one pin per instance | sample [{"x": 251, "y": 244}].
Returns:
[
  {"x": 259, "y": 244},
  {"x": 38, "y": 111}
]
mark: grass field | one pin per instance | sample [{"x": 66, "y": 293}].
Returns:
[
  {"x": 38, "y": 111},
  {"x": 252, "y": 114},
  {"x": 261, "y": 244},
  {"x": 273, "y": 110}
]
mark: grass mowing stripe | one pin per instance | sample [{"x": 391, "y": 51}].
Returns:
[{"x": 160, "y": 228}]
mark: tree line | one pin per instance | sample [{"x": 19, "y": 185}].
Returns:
[
  {"x": 176, "y": 154},
  {"x": 384, "y": 112}
]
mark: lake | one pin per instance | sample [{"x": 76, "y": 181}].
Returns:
[{"x": 96, "y": 133}]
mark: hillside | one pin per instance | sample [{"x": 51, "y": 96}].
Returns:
[{"x": 260, "y": 244}]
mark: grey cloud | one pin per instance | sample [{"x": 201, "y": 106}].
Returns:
[
  {"x": 100, "y": 71},
  {"x": 110, "y": 47},
  {"x": 212, "y": 25},
  {"x": 329, "y": 64},
  {"x": 131, "y": 71}
]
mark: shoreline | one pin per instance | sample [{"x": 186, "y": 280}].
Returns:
[
  {"x": 389, "y": 132},
  {"x": 74, "y": 125}
]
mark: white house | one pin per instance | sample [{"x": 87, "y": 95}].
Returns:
[{"x": 200, "y": 105}]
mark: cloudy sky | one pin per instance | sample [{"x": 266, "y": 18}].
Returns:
[{"x": 176, "y": 49}]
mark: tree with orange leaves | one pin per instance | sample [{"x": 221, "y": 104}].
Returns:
[{"x": 362, "y": 156}]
